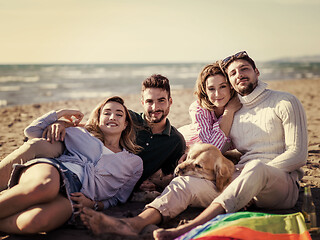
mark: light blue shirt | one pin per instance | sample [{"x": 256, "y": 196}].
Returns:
[{"x": 105, "y": 176}]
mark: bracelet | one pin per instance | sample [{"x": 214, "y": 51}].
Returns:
[{"x": 95, "y": 206}]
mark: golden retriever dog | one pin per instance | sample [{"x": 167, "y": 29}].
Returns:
[{"x": 206, "y": 161}]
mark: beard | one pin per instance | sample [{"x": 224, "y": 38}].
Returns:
[
  {"x": 246, "y": 90},
  {"x": 157, "y": 120}
]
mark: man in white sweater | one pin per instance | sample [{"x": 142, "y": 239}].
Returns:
[
  {"x": 271, "y": 133},
  {"x": 270, "y": 130}
]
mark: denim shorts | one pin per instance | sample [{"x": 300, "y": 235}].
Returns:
[{"x": 69, "y": 181}]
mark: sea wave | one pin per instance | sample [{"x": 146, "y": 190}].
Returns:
[
  {"x": 27, "y": 84},
  {"x": 86, "y": 94},
  {"x": 6, "y": 79},
  {"x": 48, "y": 86},
  {"x": 10, "y": 88},
  {"x": 3, "y": 102}
]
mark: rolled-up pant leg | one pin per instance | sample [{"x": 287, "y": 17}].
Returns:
[
  {"x": 34, "y": 148},
  {"x": 269, "y": 186},
  {"x": 184, "y": 191}
]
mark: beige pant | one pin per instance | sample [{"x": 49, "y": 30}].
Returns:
[
  {"x": 34, "y": 148},
  {"x": 184, "y": 191},
  {"x": 269, "y": 186}
]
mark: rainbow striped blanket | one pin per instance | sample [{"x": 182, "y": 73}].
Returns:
[{"x": 251, "y": 225}]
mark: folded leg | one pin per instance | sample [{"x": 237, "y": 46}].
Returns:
[
  {"x": 39, "y": 218},
  {"x": 34, "y": 148}
]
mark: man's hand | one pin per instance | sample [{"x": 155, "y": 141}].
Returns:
[{"x": 147, "y": 185}]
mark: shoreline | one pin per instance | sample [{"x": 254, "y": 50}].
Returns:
[{"x": 177, "y": 88}]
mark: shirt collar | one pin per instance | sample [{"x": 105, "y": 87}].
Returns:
[
  {"x": 261, "y": 86},
  {"x": 167, "y": 129}
]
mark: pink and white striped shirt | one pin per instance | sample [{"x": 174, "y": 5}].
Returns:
[{"x": 204, "y": 128}]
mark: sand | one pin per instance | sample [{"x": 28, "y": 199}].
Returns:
[{"x": 14, "y": 119}]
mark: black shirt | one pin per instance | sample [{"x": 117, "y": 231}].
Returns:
[{"x": 160, "y": 151}]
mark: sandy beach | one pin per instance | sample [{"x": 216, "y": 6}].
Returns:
[{"x": 14, "y": 119}]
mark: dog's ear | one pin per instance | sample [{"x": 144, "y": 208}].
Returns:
[{"x": 223, "y": 173}]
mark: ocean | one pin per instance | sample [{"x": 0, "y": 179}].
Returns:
[{"x": 39, "y": 83}]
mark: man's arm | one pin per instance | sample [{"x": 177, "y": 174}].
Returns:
[{"x": 293, "y": 117}]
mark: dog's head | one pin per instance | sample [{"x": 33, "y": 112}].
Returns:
[{"x": 206, "y": 161}]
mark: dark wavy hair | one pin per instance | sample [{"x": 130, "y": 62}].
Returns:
[{"x": 157, "y": 81}]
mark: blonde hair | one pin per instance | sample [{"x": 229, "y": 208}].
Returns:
[
  {"x": 127, "y": 139},
  {"x": 200, "y": 87}
]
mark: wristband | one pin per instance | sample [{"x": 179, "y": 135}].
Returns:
[{"x": 95, "y": 206}]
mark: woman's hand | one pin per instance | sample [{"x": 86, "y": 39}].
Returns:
[
  {"x": 234, "y": 104},
  {"x": 81, "y": 200},
  {"x": 227, "y": 118},
  {"x": 55, "y": 132},
  {"x": 73, "y": 116}
]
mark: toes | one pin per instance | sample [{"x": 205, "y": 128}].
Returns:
[
  {"x": 85, "y": 219},
  {"x": 157, "y": 233},
  {"x": 88, "y": 211}
]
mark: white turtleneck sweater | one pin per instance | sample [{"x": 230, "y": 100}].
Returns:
[{"x": 271, "y": 126}]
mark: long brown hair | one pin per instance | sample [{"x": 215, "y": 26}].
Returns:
[
  {"x": 127, "y": 139},
  {"x": 200, "y": 88}
]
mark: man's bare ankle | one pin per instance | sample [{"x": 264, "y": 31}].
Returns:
[{"x": 133, "y": 224}]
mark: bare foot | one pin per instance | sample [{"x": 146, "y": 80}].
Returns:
[
  {"x": 100, "y": 223},
  {"x": 168, "y": 234}
]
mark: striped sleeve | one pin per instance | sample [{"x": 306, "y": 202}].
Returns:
[{"x": 208, "y": 128}]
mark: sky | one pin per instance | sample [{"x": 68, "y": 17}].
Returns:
[{"x": 156, "y": 31}]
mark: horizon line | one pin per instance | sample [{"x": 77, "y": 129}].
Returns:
[{"x": 301, "y": 58}]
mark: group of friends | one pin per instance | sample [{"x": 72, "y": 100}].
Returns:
[{"x": 66, "y": 169}]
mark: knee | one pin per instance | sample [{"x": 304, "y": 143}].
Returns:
[
  {"x": 35, "y": 145},
  {"x": 255, "y": 170},
  {"x": 179, "y": 186},
  {"x": 254, "y": 165},
  {"x": 40, "y": 147},
  {"x": 36, "y": 142},
  {"x": 189, "y": 186},
  {"x": 179, "y": 183},
  {"x": 33, "y": 224}
]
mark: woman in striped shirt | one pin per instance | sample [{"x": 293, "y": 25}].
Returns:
[{"x": 212, "y": 113}]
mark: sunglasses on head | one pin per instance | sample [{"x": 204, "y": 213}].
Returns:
[{"x": 237, "y": 55}]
